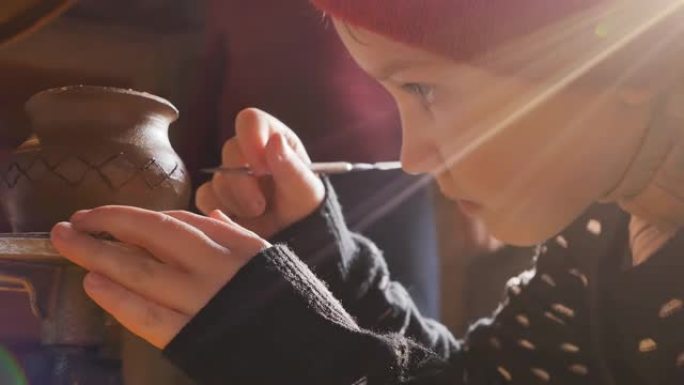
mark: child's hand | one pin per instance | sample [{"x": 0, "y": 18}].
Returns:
[
  {"x": 168, "y": 266},
  {"x": 283, "y": 191}
]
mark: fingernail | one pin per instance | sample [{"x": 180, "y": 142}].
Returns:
[
  {"x": 63, "y": 230},
  {"x": 78, "y": 215},
  {"x": 94, "y": 281}
]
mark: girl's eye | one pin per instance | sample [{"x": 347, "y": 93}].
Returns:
[{"x": 425, "y": 92}]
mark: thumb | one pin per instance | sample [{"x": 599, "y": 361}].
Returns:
[{"x": 292, "y": 176}]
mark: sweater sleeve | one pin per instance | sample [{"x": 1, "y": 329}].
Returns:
[
  {"x": 354, "y": 270},
  {"x": 277, "y": 323}
]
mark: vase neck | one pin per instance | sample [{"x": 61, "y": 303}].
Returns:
[{"x": 97, "y": 112}]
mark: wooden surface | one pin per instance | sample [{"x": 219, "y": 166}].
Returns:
[{"x": 19, "y": 18}]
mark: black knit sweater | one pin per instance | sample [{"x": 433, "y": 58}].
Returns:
[{"x": 319, "y": 308}]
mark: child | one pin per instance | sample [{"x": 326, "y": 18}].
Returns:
[{"x": 508, "y": 105}]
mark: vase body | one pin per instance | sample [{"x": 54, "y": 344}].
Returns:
[{"x": 92, "y": 146}]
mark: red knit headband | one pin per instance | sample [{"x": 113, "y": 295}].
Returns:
[{"x": 455, "y": 28}]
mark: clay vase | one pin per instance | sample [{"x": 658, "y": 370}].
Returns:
[{"x": 92, "y": 146}]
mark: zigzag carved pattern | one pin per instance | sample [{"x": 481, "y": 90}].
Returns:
[{"x": 153, "y": 174}]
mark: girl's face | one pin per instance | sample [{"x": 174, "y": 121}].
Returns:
[{"x": 531, "y": 178}]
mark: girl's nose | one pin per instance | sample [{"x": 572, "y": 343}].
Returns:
[
  {"x": 419, "y": 149},
  {"x": 419, "y": 157}
]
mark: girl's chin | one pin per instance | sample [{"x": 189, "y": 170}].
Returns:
[
  {"x": 519, "y": 234},
  {"x": 470, "y": 208},
  {"x": 467, "y": 206}
]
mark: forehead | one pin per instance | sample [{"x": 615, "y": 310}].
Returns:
[
  {"x": 592, "y": 50},
  {"x": 382, "y": 57}
]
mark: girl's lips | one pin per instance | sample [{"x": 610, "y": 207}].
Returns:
[
  {"x": 469, "y": 207},
  {"x": 447, "y": 187}
]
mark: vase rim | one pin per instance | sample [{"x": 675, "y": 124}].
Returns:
[{"x": 162, "y": 105}]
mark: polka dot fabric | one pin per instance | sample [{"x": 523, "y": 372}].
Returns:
[{"x": 583, "y": 316}]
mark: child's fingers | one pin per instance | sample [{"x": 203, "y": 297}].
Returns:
[
  {"x": 296, "y": 145},
  {"x": 252, "y": 130},
  {"x": 222, "y": 189},
  {"x": 237, "y": 202},
  {"x": 262, "y": 227},
  {"x": 206, "y": 199},
  {"x": 294, "y": 180},
  {"x": 241, "y": 194},
  {"x": 241, "y": 242},
  {"x": 153, "y": 322},
  {"x": 168, "y": 239},
  {"x": 133, "y": 269}
]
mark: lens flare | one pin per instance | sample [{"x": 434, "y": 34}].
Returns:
[
  {"x": 10, "y": 371},
  {"x": 602, "y": 30},
  {"x": 596, "y": 41}
]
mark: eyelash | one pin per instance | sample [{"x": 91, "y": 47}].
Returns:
[{"x": 423, "y": 91}]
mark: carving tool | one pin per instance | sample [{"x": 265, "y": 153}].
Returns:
[{"x": 328, "y": 168}]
